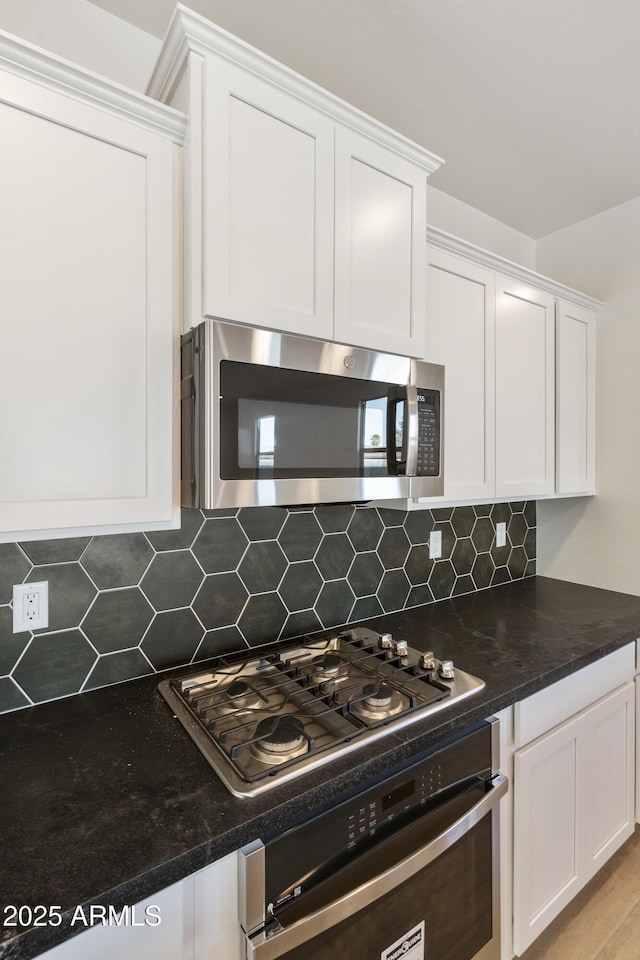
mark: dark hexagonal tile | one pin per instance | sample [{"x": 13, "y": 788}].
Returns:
[
  {"x": 262, "y": 523},
  {"x": 500, "y": 555},
  {"x": 262, "y": 619},
  {"x": 419, "y": 564},
  {"x": 418, "y": 525},
  {"x": 517, "y": 506},
  {"x": 300, "y": 536},
  {"x": 517, "y": 563},
  {"x": 55, "y": 551},
  {"x": 365, "y": 574},
  {"x": 190, "y": 523},
  {"x": 419, "y": 595},
  {"x": 500, "y": 575},
  {"x": 220, "y": 512},
  {"x": 365, "y": 608},
  {"x": 70, "y": 593},
  {"x": 530, "y": 544},
  {"x": 500, "y": 513},
  {"x": 300, "y": 623},
  {"x": 482, "y": 571},
  {"x": 12, "y": 644},
  {"x": 462, "y": 521},
  {"x": 442, "y": 579},
  {"x": 334, "y": 556},
  {"x": 483, "y": 535},
  {"x": 172, "y": 580},
  {"x": 442, "y": 513},
  {"x": 482, "y": 509},
  {"x": 462, "y": 585},
  {"x": 463, "y": 556},
  {"x": 531, "y": 569},
  {"x": 55, "y": 665},
  {"x": 11, "y": 698},
  {"x": 117, "y": 620},
  {"x": 220, "y": 643},
  {"x": 14, "y": 567},
  {"x": 517, "y": 529},
  {"x": 118, "y": 560},
  {"x": 448, "y": 539},
  {"x": 335, "y": 603},
  {"x": 300, "y": 585},
  {"x": 334, "y": 518},
  {"x": 530, "y": 513},
  {"x": 172, "y": 639},
  {"x": 393, "y": 548},
  {"x": 365, "y": 529},
  {"x": 116, "y": 667},
  {"x": 394, "y": 590},
  {"x": 220, "y": 545},
  {"x": 220, "y": 600},
  {"x": 391, "y": 518},
  {"x": 262, "y": 566}
]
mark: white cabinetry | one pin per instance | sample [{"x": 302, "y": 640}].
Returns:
[
  {"x": 87, "y": 301},
  {"x": 575, "y": 399},
  {"x": 302, "y": 214},
  {"x": 573, "y": 791},
  {"x": 525, "y": 411}
]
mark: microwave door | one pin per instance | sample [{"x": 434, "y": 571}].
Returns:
[{"x": 402, "y": 431}]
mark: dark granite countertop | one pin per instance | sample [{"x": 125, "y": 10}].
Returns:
[{"x": 106, "y": 800}]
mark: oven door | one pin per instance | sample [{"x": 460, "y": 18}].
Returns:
[{"x": 430, "y": 890}]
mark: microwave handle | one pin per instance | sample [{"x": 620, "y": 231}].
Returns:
[{"x": 408, "y": 464}]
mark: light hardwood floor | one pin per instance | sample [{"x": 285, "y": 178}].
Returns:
[{"x": 603, "y": 921}]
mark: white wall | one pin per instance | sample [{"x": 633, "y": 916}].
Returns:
[
  {"x": 86, "y": 35},
  {"x": 597, "y": 540}
]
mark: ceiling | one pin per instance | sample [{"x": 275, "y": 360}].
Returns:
[{"x": 533, "y": 104}]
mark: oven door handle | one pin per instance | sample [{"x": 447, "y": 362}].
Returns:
[{"x": 269, "y": 944}]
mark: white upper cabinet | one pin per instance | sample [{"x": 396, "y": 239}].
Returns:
[
  {"x": 461, "y": 335},
  {"x": 302, "y": 214},
  {"x": 575, "y": 399},
  {"x": 525, "y": 390},
  {"x": 87, "y": 301}
]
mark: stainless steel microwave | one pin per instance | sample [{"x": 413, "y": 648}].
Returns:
[{"x": 276, "y": 419}]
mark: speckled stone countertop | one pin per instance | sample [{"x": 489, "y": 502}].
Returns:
[{"x": 106, "y": 800}]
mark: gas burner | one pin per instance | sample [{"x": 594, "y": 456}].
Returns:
[
  {"x": 240, "y": 695},
  {"x": 378, "y": 701},
  {"x": 327, "y": 667},
  {"x": 278, "y": 739}
]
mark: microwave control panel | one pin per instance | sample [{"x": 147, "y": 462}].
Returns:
[{"x": 428, "y": 433}]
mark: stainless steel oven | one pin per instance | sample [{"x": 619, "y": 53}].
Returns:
[
  {"x": 406, "y": 869},
  {"x": 270, "y": 418}
]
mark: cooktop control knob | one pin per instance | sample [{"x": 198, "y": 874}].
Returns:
[
  {"x": 385, "y": 641},
  {"x": 447, "y": 671},
  {"x": 401, "y": 648},
  {"x": 427, "y": 661}
]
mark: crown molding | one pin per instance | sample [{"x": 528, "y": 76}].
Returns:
[
  {"x": 29, "y": 62},
  {"x": 188, "y": 32},
  {"x": 462, "y": 248}
]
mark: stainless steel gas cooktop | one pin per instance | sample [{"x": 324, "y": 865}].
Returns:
[{"x": 264, "y": 720}]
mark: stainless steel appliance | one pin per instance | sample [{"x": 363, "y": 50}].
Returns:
[
  {"x": 262, "y": 720},
  {"x": 270, "y": 418},
  {"x": 405, "y": 870}
]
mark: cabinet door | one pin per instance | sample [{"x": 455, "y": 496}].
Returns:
[
  {"x": 525, "y": 388},
  {"x": 609, "y": 737},
  {"x": 87, "y": 316},
  {"x": 460, "y": 335},
  {"x": 380, "y": 267},
  {"x": 216, "y": 926},
  {"x": 548, "y": 829},
  {"x": 268, "y": 196},
  {"x": 575, "y": 399}
]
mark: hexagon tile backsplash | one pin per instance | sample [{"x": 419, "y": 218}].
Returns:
[{"x": 125, "y": 605}]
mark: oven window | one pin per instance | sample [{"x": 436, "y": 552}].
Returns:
[{"x": 277, "y": 423}]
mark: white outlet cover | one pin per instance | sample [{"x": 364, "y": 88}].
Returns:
[
  {"x": 21, "y": 594},
  {"x": 435, "y": 544},
  {"x": 501, "y": 534}
]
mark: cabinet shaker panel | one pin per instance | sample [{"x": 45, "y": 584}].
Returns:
[{"x": 575, "y": 399}]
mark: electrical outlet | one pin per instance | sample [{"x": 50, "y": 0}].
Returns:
[
  {"x": 30, "y": 606},
  {"x": 435, "y": 544},
  {"x": 501, "y": 534}
]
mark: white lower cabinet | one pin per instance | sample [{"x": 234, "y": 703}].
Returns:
[
  {"x": 216, "y": 928},
  {"x": 573, "y": 802}
]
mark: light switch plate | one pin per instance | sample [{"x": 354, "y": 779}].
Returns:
[
  {"x": 30, "y": 606},
  {"x": 435, "y": 544},
  {"x": 501, "y": 534}
]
